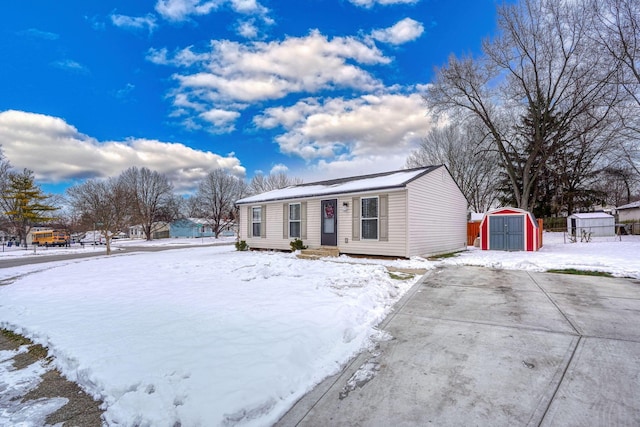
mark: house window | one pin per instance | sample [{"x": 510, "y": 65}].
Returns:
[
  {"x": 256, "y": 221},
  {"x": 294, "y": 220},
  {"x": 369, "y": 218}
]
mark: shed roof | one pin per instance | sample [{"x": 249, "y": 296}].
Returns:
[
  {"x": 631, "y": 205},
  {"x": 591, "y": 215},
  {"x": 378, "y": 181}
]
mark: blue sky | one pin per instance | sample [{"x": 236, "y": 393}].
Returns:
[{"x": 316, "y": 88}]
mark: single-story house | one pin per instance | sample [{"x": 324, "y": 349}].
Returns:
[
  {"x": 509, "y": 229},
  {"x": 593, "y": 224},
  {"x": 158, "y": 230},
  {"x": 629, "y": 212},
  {"x": 190, "y": 227},
  {"x": 405, "y": 213}
]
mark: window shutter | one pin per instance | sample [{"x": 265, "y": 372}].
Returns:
[
  {"x": 384, "y": 217},
  {"x": 249, "y": 219},
  {"x": 263, "y": 221},
  {"x": 355, "y": 223},
  {"x": 303, "y": 220},
  {"x": 285, "y": 220}
]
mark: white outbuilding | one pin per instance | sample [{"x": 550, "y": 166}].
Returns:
[{"x": 593, "y": 224}]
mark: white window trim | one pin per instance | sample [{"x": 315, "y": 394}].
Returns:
[
  {"x": 377, "y": 218},
  {"x": 253, "y": 221},
  {"x": 299, "y": 221}
]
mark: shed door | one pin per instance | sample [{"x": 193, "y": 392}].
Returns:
[
  {"x": 329, "y": 232},
  {"x": 506, "y": 232}
]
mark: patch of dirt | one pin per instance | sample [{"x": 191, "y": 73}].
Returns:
[{"x": 81, "y": 410}]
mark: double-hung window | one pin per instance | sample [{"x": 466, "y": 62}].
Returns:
[
  {"x": 369, "y": 218},
  {"x": 294, "y": 220},
  {"x": 256, "y": 221}
]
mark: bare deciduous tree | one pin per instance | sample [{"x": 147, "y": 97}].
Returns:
[
  {"x": 103, "y": 205},
  {"x": 543, "y": 68},
  {"x": 463, "y": 149},
  {"x": 152, "y": 198},
  {"x": 261, "y": 183},
  {"x": 216, "y": 197},
  {"x": 618, "y": 25}
]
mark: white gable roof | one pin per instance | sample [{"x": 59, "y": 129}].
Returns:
[
  {"x": 354, "y": 184},
  {"x": 631, "y": 205},
  {"x": 591, "y": 215}
]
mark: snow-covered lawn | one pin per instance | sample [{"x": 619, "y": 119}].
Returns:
[
  {"x": 203, "y": 336},
  {"x": 210, "y": 336}
]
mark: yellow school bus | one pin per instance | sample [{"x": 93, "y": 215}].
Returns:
[{"x": 50, "y": 238}]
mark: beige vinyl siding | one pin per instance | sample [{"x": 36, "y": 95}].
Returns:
[
  {"x": 276, "y": 223},
  {"x": 437, "y": 212},
  {"x": 632, "y": 214},
  {"x": 396, "y": 221},
  {"x": 395, "y": 246}
]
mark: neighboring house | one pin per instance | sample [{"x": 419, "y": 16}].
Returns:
[
  {"x": 190, "y": 227},
  {"x": 136, "y": 232},
  {"x": 629, "y": 212},
  {"x": 591, "y": 224},
  {"x": 159, "y": 230},
  {"x": 401, "y": 213}
]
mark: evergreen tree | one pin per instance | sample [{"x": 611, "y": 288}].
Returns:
[{"x": 25, "y": 205}]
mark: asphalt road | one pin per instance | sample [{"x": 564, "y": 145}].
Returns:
[{"x": 29, "y": 260}]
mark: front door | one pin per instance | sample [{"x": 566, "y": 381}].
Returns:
[{"x": 329, "y": 232}]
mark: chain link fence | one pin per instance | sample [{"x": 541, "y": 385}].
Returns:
[{"x": 585, "y": 234}]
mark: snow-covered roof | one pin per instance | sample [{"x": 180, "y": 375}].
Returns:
[
  {"x": 200, "y": 221},
  {"x": 379, "y": 181},
  {"x": 631, "y": 205},
  {"x": 591, "y": 215},
  {"x": 476, "y": 216}
]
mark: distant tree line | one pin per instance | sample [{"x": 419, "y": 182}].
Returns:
[
  {"x": 138, "y": 196},
  {"x": 547, "y": 118}
]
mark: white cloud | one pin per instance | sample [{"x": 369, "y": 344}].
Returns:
[
  {"x": 247, "y": 29},
  {"x": 234, "y": 73},
  {"x": 35, "y": 33},
  {"x": 71, "y": 155},
  {"x": 392, "y": 124},
  {"x": 222, "y": 120},
  {"x": 402, "y": 32},
  {"x": 360, "y": 165},
  {"x": 182, "y": 10},
  {"x": 371, "y": 3},
  {"x": 279, "y": 168},
  {"x": 71, "y": 65},
  {"x": 147, "y": 22}
]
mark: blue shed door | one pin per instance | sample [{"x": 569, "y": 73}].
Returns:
[{"x": 506, "y": 233}]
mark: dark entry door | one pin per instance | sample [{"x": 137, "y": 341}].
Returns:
[
  {"x": 329, "y": 232},
  {"x": 506, "y": 233}
]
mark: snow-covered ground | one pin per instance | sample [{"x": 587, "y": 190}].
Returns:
[{"x": 211, "y": 336}]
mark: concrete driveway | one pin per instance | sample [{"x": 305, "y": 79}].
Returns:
[{"x": 475, "y": 346}]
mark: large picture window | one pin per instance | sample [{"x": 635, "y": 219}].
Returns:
[
  {"x": 294, "y": 220},
  {"x": 369, "y": 218},
  {"x": 256, "y": 221}
]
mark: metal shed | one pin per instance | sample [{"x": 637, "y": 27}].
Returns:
[
  {"x": 593, "y": 224},
  {"x": 509, "y": 229}
]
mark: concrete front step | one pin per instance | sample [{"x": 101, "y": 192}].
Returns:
[{"x": 319, "y": 253}]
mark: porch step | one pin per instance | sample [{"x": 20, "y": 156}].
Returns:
[{"x": 321, "y": 252}]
